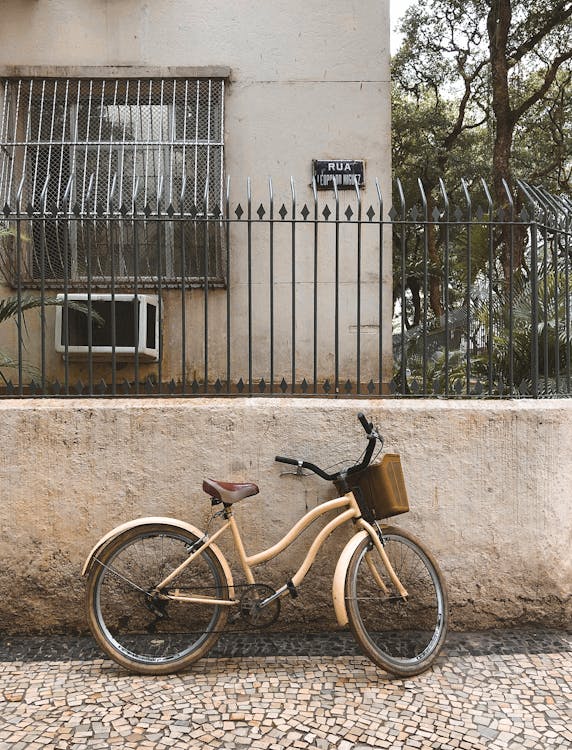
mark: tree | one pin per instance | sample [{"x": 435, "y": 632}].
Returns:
[
  {"x": 424, "y": 130},
  {"x": 529, "y": 43},
  {"x": 496, "y": 61},
  {"x": 543, "y": 143}
]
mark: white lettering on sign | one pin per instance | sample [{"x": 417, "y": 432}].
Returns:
[
  {"x": 339, "y": 166},
  {"x": 345, "y": 180}
]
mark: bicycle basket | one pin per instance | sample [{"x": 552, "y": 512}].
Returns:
[{"x": 382, "y": 487}]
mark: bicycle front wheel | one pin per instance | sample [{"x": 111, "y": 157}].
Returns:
[
  {"x": 402, "y": 635},
  {"x": 140, "y": 629}
]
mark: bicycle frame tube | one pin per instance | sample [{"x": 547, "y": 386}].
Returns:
[
  {"x": 206, "y": 543},
  {"x": 347, "y": 501},
  {"x": 248, "y": 562}
]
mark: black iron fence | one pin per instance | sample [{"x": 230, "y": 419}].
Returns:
[{"x": 287, "y": 295}]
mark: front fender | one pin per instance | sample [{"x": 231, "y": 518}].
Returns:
[
  {"x": 182, "y": 525},
  {"x": 339, "y": 584}
]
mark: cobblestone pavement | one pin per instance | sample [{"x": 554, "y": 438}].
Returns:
[{"x": 482, "y": 693}]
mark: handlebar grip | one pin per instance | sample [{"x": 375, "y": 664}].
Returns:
[
  {"x": 284, "y": 460},
  {"x": 368, "y": 426}
]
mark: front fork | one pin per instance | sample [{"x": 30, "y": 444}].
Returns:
[{"x": 379, "y": 543}]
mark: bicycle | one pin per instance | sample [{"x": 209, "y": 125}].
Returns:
[{"x": 160, "y": 591}]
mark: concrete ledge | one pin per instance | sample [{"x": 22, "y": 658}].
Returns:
[
  {"x": 114, "y": 71},
  {"x": 490, "y": 487}
]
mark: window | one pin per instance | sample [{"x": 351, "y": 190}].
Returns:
[{"x": 120, "y": 178}]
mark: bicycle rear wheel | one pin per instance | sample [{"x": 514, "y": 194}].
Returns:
[
  {"x": 402, "y": 636},
  {"x": 140, "y": 630}
]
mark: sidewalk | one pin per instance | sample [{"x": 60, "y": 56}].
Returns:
[{"x": 487, "y": 691}]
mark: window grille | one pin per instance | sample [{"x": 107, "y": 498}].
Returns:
[{"x": 119, "y": 178}]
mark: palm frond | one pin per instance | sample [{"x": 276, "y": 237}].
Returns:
[{"x": 10, "y": 306}]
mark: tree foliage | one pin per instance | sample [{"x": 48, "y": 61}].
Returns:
[{"x": 491, "y": 74}]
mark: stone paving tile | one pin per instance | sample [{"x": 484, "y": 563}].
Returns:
[{"x": 490, "y": 702}]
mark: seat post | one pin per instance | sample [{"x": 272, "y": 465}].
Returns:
[{"x": 239, "y": 545}]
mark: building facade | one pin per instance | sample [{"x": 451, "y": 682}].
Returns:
[{"x": 173, "y": 151}]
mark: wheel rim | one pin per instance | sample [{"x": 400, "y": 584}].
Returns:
[
  {"x": 403, "y": 634},
  {"x": 127, "y": 618}
]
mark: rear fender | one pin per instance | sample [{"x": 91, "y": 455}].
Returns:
[{"x": 181, "y": 525}]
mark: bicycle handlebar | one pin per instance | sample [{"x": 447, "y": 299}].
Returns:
[
  {"x": 306, "y": 465},
  {"x": 372, "y": 437}
]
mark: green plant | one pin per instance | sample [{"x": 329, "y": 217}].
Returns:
[
  {"x": 507, "y": 362},
  {"x": 14, "y": 308}
]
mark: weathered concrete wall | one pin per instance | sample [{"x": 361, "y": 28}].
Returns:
[{"x": 490, "y": 487}]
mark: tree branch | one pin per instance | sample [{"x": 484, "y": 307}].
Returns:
[
  {"x": 557, "y": 16},
  {"x": 549, "y": 79}
]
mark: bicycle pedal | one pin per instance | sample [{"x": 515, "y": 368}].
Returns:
[{"x": 292, "y": 589}]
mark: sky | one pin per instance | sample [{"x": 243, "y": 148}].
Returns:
[{"x": 396, "y": 9}]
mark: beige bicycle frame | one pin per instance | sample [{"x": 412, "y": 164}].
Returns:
[{"x": 248, "y": 562}]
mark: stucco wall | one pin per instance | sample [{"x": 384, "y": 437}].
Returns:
[
  {"x": 490, "y": 489},
  {"x": 308, "y": 80}
]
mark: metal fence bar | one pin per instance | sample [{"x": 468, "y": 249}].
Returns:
[
  {"x": 425, "y": 218},
  {"x": 136, "y": 259},
  {"x": 249, "y": 287},
  {"x": 567, "y": 248},
  {"x": 271, "y": 280},
  {"x": 358, "y": 286},
  {"x": 229, "y": 288},
  {"x": 380, "y": 283},
  {"x": 490, "y": 280},
  {"x": 293, "y": 284},
  {"x": 315, "y": 308},
  {"x": 510, "y": 199},
  {"x": 403, "y": 249},
  {"x": 337, "y": 291},
  {"x": 161, "y": 242},
  {"x": 469, "y": 284},
  {"x": 446, "y": 271},
  {"x": 19, "y": 322},
  {"x": 183, "y": 262}
]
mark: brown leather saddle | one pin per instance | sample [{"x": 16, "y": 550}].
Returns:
[{"x": 229, "y": 492}]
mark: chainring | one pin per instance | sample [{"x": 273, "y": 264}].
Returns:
[{"x": 250, "y": 609}]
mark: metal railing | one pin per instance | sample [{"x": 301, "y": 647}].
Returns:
[{"x": 289, "y": 295}]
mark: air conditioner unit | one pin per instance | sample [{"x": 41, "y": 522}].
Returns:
[{"x": 135, "y": 318}]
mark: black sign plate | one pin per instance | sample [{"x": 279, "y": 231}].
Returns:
[{"x": 343, "y": 171}]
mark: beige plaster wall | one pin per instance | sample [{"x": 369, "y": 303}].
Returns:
[
  {"x": 307, "y": 80},
  {"x": 489, "y": 483}
]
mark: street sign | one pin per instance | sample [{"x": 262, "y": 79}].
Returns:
[{"x": 343, "y": 171}]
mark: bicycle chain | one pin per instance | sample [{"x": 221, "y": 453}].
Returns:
[{"x": 246, "y": 607}]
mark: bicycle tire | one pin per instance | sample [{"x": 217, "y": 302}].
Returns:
[
  {"x": 146, "y": 635},
  {"x": 402, "y": 637}
]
